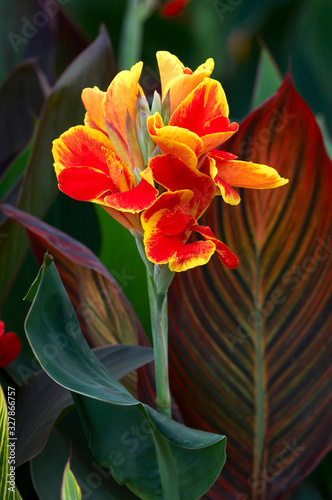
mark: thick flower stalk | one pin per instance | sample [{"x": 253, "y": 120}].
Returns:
[{"x": 156, "y": 169}]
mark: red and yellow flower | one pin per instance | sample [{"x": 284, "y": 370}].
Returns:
[
  {"x": 101, "y": 160},
  {"x": 10, "y": 346},
  {"x": 167, "y": 226}
]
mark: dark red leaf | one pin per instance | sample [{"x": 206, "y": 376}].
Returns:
[{"x": 249, "y": 349}]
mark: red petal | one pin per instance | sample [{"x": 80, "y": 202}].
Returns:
[
  {"x": 205, "y": 103},
  {"x": 81, "y": 146},
  {"x": 174, "y": 175},
  {"x": 225, "y": 255},
  {"x": 84, "y": 183},
  {"x": 10, "y": 346},
  {"x": 173, "y": 8},
  {"x": 135, "y": 200},
  {"x": 2, "y": 328}
]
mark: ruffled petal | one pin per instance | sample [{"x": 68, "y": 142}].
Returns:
[
  {"x": 169, "y": 68},
  {"x": 205, "y": 103},
  {"x": 175, "y": 140},
  {"x": 225, "y": 255},
  {"x": 191, "y": 255},
  {"x": 121, "y": 96},
  {"x": 135, "y": 200},
  {"x": 248, "y": 175},
  {"x": 174, "y": 174},
  {"x": 85, "y": 183},
  {"x": 92, "y": 99},
  {"x": 81, "y": 146},
  {"x": 227, "y": 192}
]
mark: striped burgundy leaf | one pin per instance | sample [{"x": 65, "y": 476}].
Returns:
[
  {"x": 249, "y": 351},
  {"x": 103, "y": 311}
]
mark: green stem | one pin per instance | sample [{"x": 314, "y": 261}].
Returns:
[
  {"x": 159, "y": 326},
  {"x": 132, "y": 32}
]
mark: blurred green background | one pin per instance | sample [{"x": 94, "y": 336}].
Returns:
[{"x": 297, "y": 33}]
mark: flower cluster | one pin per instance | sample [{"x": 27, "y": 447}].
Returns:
[
  {"x": 10, "y": 346},
  {"x": 156, "y": 169}
]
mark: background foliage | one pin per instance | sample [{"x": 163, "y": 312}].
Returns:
[{"x": 296, "y": 32}]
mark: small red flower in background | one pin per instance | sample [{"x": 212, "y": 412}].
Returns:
[
  {"x": 10, "y": 346},
  {"x": 173, "y": 8}
]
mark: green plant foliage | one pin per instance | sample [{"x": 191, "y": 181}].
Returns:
[
  {"x": 109, "y": 412},
  {"x": 41, "y": 400},
  {"x": 70, "y": 489},
  {"x": 268, "y": 79},
  {"x": 67, "y": 438}
]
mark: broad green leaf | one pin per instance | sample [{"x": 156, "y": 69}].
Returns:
[
  {"x": 104, "y": 313},
  {"x": 321, "y": 120},
  {"x": 95, "y": 481},
  {"x": 268, "y": 79},
  {"x": 41, "y": 400},
  {"x": 8, "y": 490},
  {"x": 110, "y": 413},
  {"x": 70, "y": 489},
  {"x": 62, "y": 109},
  {"x": 248, "y": 348}
]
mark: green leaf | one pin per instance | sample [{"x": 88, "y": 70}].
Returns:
[
  {"x": 62, "y": 109},
  {"x": 70, "y": 489},
  {"x": 110, "y": 413},
  {"x": 268, "y": 79},
  {"x": 95, "y": 481},
  {"x": 41, "y": 400},
  {"x": 13, "y": 174},
  {"x": 248, "y": 348},
  {"x": 8, "y": 490}
]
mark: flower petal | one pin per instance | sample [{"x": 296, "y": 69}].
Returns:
[
  {"x": 179, "y": 80},
  {"x": 85, "y": 183},
  {"x": 2, "y": 328},
  {"x": 225, "y": 255},
  {"x": 248, "y": 175},
  {"x": 175, "y": 140},
  {"x": 135, "y": 200},
  {"x": 81, "y": 146},
  {"x": 205, "y": 103},
  {"x": 227, "y": 192},
  {"x": 92, "y": 99},
  {"x": 10, "y": 346},
  {"x": 174, "y": 174},
  {"x": 192, "y": 255},
  {"x": 121, "y": 96}
]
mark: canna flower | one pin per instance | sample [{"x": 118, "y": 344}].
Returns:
[
  {"x": 167, "y": 226},
  {"x": 10, "y": 346},
  {"x": 101, "y": 160},
  {"x": 169, "y": 222}
]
